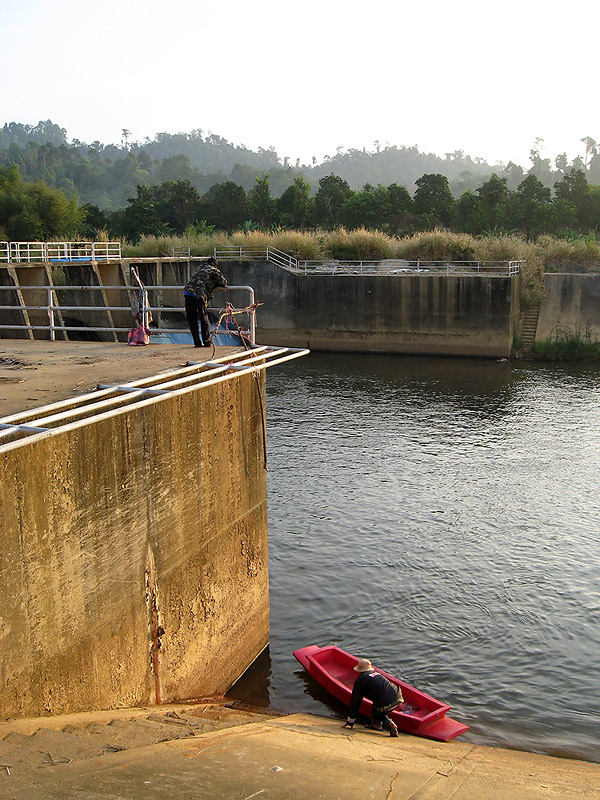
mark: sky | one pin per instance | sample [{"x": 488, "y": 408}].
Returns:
[{"x": 310, "y": 77}]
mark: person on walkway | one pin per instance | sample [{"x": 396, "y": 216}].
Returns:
[
  {"x": 384, "y": 695},
  {"x": 196, "y": 293}
]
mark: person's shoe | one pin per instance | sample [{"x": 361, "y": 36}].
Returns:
[
  {"x": 373, "y": 727},
  {"x": 207, "y": 343},
  {"x": 393, "y": 729}
]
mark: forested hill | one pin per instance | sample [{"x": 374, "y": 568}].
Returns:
[{"x": 107, "y": 175}]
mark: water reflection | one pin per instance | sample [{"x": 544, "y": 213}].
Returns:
[
  {"x": 252, "y": 688},
  {"x": 440, "y": 516}
]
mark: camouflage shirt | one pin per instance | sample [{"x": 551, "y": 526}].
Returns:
[{"x": 204, "y": 281}]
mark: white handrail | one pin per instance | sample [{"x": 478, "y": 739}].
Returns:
[
  {"x": 53, "y": 306},
  {"x": 34, "y": 252},
  {"x": 388, "y": 266}
]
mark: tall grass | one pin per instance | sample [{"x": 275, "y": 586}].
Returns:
[
  {"x": 578, "y": 252},
  {"x": 547, "y": 253},
  {"x": 565, "y": 344}
]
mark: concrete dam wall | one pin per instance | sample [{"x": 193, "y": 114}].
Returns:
[
  {"x": 467, "y": 315},
  {"x": 133, "y": 553},
  {"x": 571, "y": 301},
  {"x": 433, "y": 314}
]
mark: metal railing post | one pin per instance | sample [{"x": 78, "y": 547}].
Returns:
[
  {"x": 252, "y": 318},
  {"x": 51, "y": 316}
]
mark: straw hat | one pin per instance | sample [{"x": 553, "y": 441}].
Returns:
[{"x": 363, "y": 665}]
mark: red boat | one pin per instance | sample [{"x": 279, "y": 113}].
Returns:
[{"x": 419, "y": 714}]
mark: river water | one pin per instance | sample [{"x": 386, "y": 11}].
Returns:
[{"x": 440, "y": 516}]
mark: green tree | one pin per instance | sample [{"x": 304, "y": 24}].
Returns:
[
  {"x": 433, "y": 200},
  {"x": 399, "y": 206},
  {"x": 364, "y": 209},
  {"x": 226, "y": 206},
  {"x": 469, "y": 217},
  {"x": 94, "y": 221},
  {"x": 294, "y": 207},
  {"x": 530, "y": 207},
  {"x": 35, "y": 211},
  {"x": 261, "y": 205},
  {"x": 540, "y": 167},
  {"x": 174, "y": 168},
  {"x": 331, "y": 195},
  {"x": 574, "y": 188},
  {"x": 493, "y": 195},
  {"x": 163, "y": 209}
]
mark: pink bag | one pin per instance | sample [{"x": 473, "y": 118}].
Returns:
[{"x": 138, "y": 336}]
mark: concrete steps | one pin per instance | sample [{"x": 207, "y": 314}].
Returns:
[
  {"x": 528, "y": 322},
  {"x": 91, "y": 735}
]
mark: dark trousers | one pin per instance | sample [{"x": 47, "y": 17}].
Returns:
[
  {"x": 195, "y": 311},
  {"x": 381, "y": 719},
  {"x": 379, "y": 716}
]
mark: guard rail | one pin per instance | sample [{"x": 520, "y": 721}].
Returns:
[
  {"x": 53, "y": 307},
  {"x": 28, "y": 252},
  {"x": 332, "y": 266}
]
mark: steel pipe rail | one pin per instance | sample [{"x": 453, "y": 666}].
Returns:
[
  {"x": 109, "y": 400},
  {"x": 34, "y": 252},
  {"x": 388, "y": 266},
  {"x": 53, "y": 306}
]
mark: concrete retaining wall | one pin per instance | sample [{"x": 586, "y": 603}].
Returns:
[
  {"x": 133, "y": 555},
  {"x": 421, "y": 314},
  {"x": 571, "y": 301}
]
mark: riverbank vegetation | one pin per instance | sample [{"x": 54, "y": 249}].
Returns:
[
  {"x": 361, "y": 244},
  {"x": 566, "y": 344}
]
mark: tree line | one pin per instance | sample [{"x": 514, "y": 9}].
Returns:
[
  {"x": 35, "y": 211},
  {"x": 107, "y": 175}
]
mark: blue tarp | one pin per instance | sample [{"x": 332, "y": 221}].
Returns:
[{"x": 224, "y": 338}]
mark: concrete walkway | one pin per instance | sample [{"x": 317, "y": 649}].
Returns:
[
  {"x": 36, "y": 373},
  {"x": 298, "y": 756}
]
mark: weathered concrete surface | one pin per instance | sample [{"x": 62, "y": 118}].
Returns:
[
  {"x": 133, "y": 553},
  {"x": 419, "y": 314},
  {"x": 35, "y": 373},
  {"x": 571, "y": 301},
  {"x": 302, "y": 756}
]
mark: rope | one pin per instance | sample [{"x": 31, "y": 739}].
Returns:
[
  {"x": 262, "y": 417},
  {"x": 229, "y": 313}
]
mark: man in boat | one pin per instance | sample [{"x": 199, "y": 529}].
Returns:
[
  {"x": 384, "y": 695},
  {"x": 197, "y": 292}
]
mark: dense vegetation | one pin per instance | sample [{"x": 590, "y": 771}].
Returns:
[
  {"x": 106, "y": 175},
  {"x": 210, "y": 192}
]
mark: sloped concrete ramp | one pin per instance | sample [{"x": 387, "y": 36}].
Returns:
[{"x": 243, "y": 756}]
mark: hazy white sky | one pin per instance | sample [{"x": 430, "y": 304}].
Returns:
[{"x": 312, "y": 76}]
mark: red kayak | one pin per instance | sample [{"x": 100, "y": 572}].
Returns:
[{"x": 419, "y": 714}]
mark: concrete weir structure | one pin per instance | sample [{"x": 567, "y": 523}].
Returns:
[
  {"x": 455, "y": 312},
  {"x": 435, "y": 314},
  {"x": 133, "y": 534}
]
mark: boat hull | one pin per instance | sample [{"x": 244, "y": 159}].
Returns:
[{"x": 420, "y": 714}]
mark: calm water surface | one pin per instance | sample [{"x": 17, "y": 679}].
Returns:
[{"x": 440, "y": 516}]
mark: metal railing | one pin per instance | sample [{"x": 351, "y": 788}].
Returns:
[
  {"x": 390, "y": 266},
  {"x": 29, "y": 252},
  {"x": 114, "y": 399},
  {"x": 53, "y": 307}
]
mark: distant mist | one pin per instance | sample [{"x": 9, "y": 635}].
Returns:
[{"x": 107, "y": 175}]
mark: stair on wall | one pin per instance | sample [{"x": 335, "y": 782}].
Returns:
[{"x": 529, "y": 321}]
